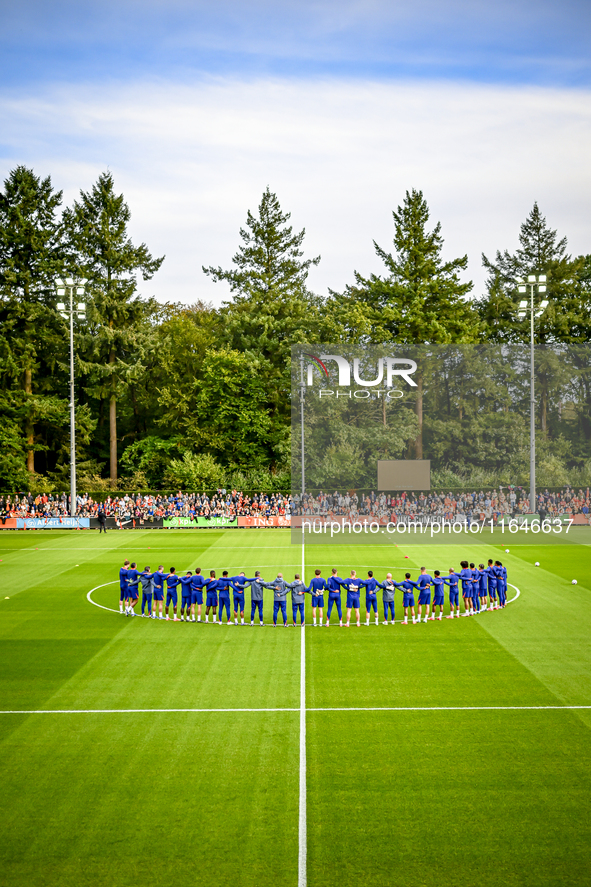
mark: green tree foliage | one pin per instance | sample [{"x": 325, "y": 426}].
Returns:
[
  {"x": 119, "y": 332},
  {"x": 224, "y": 412},
  {"x": 31, "y": 256},
  {"x": 272, "y": 306},
  {"x": 420, "y": 298},
  {"x": 568, "y": 317}
]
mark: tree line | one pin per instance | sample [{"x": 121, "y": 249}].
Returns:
[{"x": 173, "y": 395}]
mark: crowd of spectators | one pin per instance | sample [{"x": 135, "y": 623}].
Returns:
[
  {"x": 496, "y": 504},
  {"x": 223, "y": 503}
]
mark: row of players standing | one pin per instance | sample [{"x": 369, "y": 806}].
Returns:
[{"x": 482, "y": 588}]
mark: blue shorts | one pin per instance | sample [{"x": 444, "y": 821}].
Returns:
[
  {"x": 238, "y": 602},
  {"x": 438, "y": 600},
  {"x": 408, "y": 599},
  {"x": 352, "y": 600},
  {"x": 318, "y": 600},
  {"x": 158, "y": 594},
  {"x": 454, "y": 597},
  {"x": 186, "y": 601},
  {"x": 482, "y": 592},
  {"x": 371, "y": 603},
  {"x": 123, "y": 593},
  {"x": 171, "y": 596},
  {"x": 467, "y": 592},
  {"x": 134, "y": 593},
  {"x": 424, "y": 597},
  {"x": 196, "y": 597},
  {"x": 212, "y": 599}
]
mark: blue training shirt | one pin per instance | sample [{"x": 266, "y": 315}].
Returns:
[{"x": 317, "y": 585}]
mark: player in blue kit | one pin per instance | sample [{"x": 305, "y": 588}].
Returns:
[
  {"x": 466, "y": 578},
  {"x": 492, "y": 585},
  {"x": 211, "y": 597},
  {"x": 475, "y": 586},
  {"x": 186, "y": 594},
  {"x": 424, "y": 585},
  {"x": 334, "y": 596},
  {"x": 352, "y": 585},
  {"x": 158, "y": 583},
  {"x": 482, "y": 591},
  {"x": 224, "y": 596},
  {"x": 371, "y": 597},
  {"x": 172, "y": 581},
  {"x": 438, "y": 595},
  {"x": 501, "y": 583},
  {"x": 408, "y": 598},
  {"x": 123, "y": 590},
  {"x": 454, "y": 595},
  {"x": 317, "y": 587},
  {"x": 238, "y": 584},
  {"x": 197, "y": 585},
  {"x": 132, "y": 588}
]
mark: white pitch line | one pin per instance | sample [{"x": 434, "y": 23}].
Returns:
[
  {"x": 461, "y": 708},
  {"x": 400, "y": 708},
  {"x": 302, "y": 829}
]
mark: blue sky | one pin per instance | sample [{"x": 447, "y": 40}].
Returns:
[
  {"x": 523, "y": 41},
  {"x": 338, "y": 106}
]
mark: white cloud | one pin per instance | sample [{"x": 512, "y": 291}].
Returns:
[{"x": 191, "y": 159}]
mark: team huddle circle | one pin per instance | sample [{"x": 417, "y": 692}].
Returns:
[{"x": 471, "y": 590}]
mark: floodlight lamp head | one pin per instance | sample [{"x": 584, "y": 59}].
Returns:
[
  {"x": 542, "y": 288},
  {"x": 519, "y": 280},
  {"x": 523, "y": 304},
  {"x": 521, "y": 314},
  {"x": 542, "y": 278},
  {"x": 531, "y": 278},
  {"x": 69, "y": 281},
  {"x": 522, "y": 289},
  {"x": 544, "y": 304},
  {"x": 61, "y": 306}
]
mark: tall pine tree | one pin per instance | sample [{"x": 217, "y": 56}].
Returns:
[
  {"x": 272, "y": 307},
  {"x": 31, "y": 257},
  {"x": 419, "y": 300},
  {"x": 539, "y": 252},
  {"x": 117, "y": 333}
]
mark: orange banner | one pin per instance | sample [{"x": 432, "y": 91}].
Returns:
[{"x": 277, "y": 520}]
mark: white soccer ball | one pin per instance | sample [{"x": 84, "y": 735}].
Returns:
[
  {"x": 574, "y": 581},
  {"x": 537, "y": 564},
  {"x": 506, "y": 551}
]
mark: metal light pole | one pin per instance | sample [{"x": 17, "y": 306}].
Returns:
[
  {"x": 534, "y": 282},
  {"x": 66, "y": 288},
  {"x": 302, "y": 396}
]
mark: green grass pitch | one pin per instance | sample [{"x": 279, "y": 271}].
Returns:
[{"x": 447, "y": 791}]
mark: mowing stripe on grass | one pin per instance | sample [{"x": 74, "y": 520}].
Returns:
[{"x": 139, "y": 711}]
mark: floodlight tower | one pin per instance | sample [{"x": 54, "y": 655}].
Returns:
[
  {"x": 536, "y": 283},
  {"x": 69, "y": 288}
]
